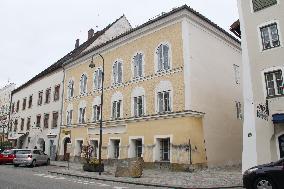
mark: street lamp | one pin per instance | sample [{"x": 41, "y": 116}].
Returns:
[{"x": 92, "y": 65}]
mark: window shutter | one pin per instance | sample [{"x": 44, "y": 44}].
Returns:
[
  {"x": 167, "y": 101},
  {"x": 166, "y": 57},
  {"x": 160, "y": 102},
  {"x": 118, "y": 108},
  {"x": 140, "y": 65},
  {"x": 119, "y": 72},
  {"x": 135, "y": 106},
  {"x": 96, "y": 80},
  {"x": 160, "y": 58},
  {"x": 114, "y": 69},
  {"x": 114, "y": 109},
  {"x": 261, "y": 4}
]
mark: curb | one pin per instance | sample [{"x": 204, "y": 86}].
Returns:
[{"x": 138, "y": 183}]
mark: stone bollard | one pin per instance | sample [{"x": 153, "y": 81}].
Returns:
[{"x": 132, "y": 167}]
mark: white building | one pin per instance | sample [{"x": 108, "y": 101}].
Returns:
[
  {"x": 262, "y": 32},
  {"x": 37, "y": 104},
  {"x": 5, "y": 99}
]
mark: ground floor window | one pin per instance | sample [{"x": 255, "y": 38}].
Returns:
[
  {"x": 95, "y": 145},
  {"x": 138, "y": 148},
  {"x": 165, "y": 149},
  {"x": 114, "y": 148},
  {"x": 79, "y": 145},
  {"x": 281, "y": 145}
]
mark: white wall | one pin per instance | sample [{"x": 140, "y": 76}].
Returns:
[
  {"x": 48, "y": 81},
  {"x": 210, "y": 87}
]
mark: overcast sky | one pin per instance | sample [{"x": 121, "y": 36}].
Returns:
[{"x": 36, "y": 33}]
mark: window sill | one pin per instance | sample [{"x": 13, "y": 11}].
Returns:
[{"x": 276, "y": 96}]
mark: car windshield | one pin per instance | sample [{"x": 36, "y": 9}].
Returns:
[
  {"x": 23, "y": 152},
  {"x": 7, "y": 152}
]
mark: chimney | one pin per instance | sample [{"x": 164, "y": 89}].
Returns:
[
  {"x": 90, "y": 33},
  {"x": 77, "y": 43}
]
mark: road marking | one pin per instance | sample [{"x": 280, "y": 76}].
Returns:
[
  {"x": 119, "y": 187},
  {"x": 39, "y": 174},
  {"x": 59, "y": 178},
  {"x": 49, "y": 176},
  {"x": 101, "y": 184}
]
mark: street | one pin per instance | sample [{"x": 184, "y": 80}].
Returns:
[{"x": 39, "y": 178}]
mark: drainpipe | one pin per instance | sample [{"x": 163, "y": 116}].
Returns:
[
  {"x": 9, "y": 116},
  {"x": 61, "y": 119}
]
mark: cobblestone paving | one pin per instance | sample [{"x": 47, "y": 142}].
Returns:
[{"x": 213, "y": 177}]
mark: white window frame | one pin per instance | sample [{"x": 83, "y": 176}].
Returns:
[
  {"x": 110, "y": 154},
  {"x": 156, "y": 150},
  {"x": 161, "y": 87},
  {"x": 271, "y": 69},
  {"x": 115, "y": 80},
  {"x": 239, "y": 110},
  {"x": 132, "y": 152},
  {"x": 76, "y": 152},
  {"x": 274, "y": 83},
  {"x": 69, "y": 114},
  {"x": 142, "y": 65},
  {"x": 156, "y": 58},
  {"x": 82, "y": 92},
  {"x": 95, "y": 113},
  {"x": 82, "y": 105},
  {"x": 70, "y": 92},
  {"x": 117, "y": 97},
  {"x": 96, "y": 84},
  {"x": 260, "y": 37},
  {"x": 136, "y": 92}
]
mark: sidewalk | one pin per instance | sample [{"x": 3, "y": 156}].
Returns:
[{"x": 229, "y": 177}]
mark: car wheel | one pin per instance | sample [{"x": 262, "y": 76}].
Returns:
[
  {"x": 16, "y": 165},
  {"x": 264, "y": 183},
  {"x": 48, "y": 162},
  {"x": 33, "y": 164}
]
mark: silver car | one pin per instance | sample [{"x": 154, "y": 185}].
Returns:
[{"x": 31, "y": 158}]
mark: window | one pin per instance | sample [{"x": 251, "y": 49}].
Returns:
[
  {"x": 82, "y": 112},
  {"x": 95, "y": 145},
  {"x": 138, "y": 148},
  {"x": 114, "y": 148},
  {"x": 24, "y": 103},
  {"x": 83, "y": 84},
  {"x": 47, "y": 95},
  {"x": 262, "y": 4},
  {"x": 28, "y": 123},
  {"x": 54, "y": 119},
  {"x": 56, "y": 92},
  {"x": 69, "y": 117},
  {"x": 70, "y": 89},
  {"x": 22, "y": 124},
  {"x": 15, "y": 125},
  {"x": 237, "y": 73},
  {"x": 165, "y": 149},
  {"x": 46, "y": 121},
  {"x": 270, "y": 36},
  {"x": 138, "y": 106},
  {"x": 239, "y": 110},
  {"x": 116, "y": 107},
  {"x": 163, "y": 57},
  {"x": 40, "y": 94},
  {"x": 98, "y": 79},
  {"x": 164, "y": 102},
  {"x": 117, "y": 72},
  {"x": 274, "y": 83},
  {"x": 138, "y": 65},
  {"x": 30, "y": 101},
  {"x": 18, "y": 106},
  {"x": 38, "y": 117},
  {"x": 96, "y": 113}
]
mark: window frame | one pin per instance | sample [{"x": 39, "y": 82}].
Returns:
[
  {"x": 46, "y": 121},
  {"x": 96, "y": 84},
  {"x": 163, "y": 100},
  {"x": 38, "y": 124},
  {"x": 82, "y": 115},
  {"x": 30, "y": 103},
  {"x": 84, "y": 91},
  {"x": 70, "y": 92},
  {"x": 136, "y": 110},
  {"x": 133, "y": 65},
  {"x": 237, "y": 74},
  {"x": 255, "y": 11},
  {"x": 55, "y": 123},
  {"x": 115, "y": 111},
  {"x": 56, "y": 93},
  {"x": 47, "y": 95},
  {"x": 156, "y": 57},
  {"x": 115, "y": 80},
  {"x": 274, "y": 83},
  {"x": 97, "y": 108},
  {"x": 69, "y": 117},
  {"x": 24, "y": 103},
  {"x": 40, "y": 98},
  {"x": 28, "y": 125}
]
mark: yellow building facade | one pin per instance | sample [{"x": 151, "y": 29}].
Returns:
[
  {"x": 181, "y": 128},
  {"x": 147, "y": 108}
]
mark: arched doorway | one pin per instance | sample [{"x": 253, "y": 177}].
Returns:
[
  {"x": 66, "y": 155},
  {"x": 281, "y": 145}
]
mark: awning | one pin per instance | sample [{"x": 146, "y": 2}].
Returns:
[
  {"x": 14, "y": 136},
  {"x": 278, "y": 118}
]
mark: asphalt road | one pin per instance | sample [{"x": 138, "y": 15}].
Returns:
[{"x": 37, "y": 178}]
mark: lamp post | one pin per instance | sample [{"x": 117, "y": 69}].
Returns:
[{"x": 92, "y": 65}]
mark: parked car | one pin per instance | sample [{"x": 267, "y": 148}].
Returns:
[
  {"x": 266, "y": 176},
  {"x": 31, "y": 157},
  {"x": 7, "y": 156}
]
